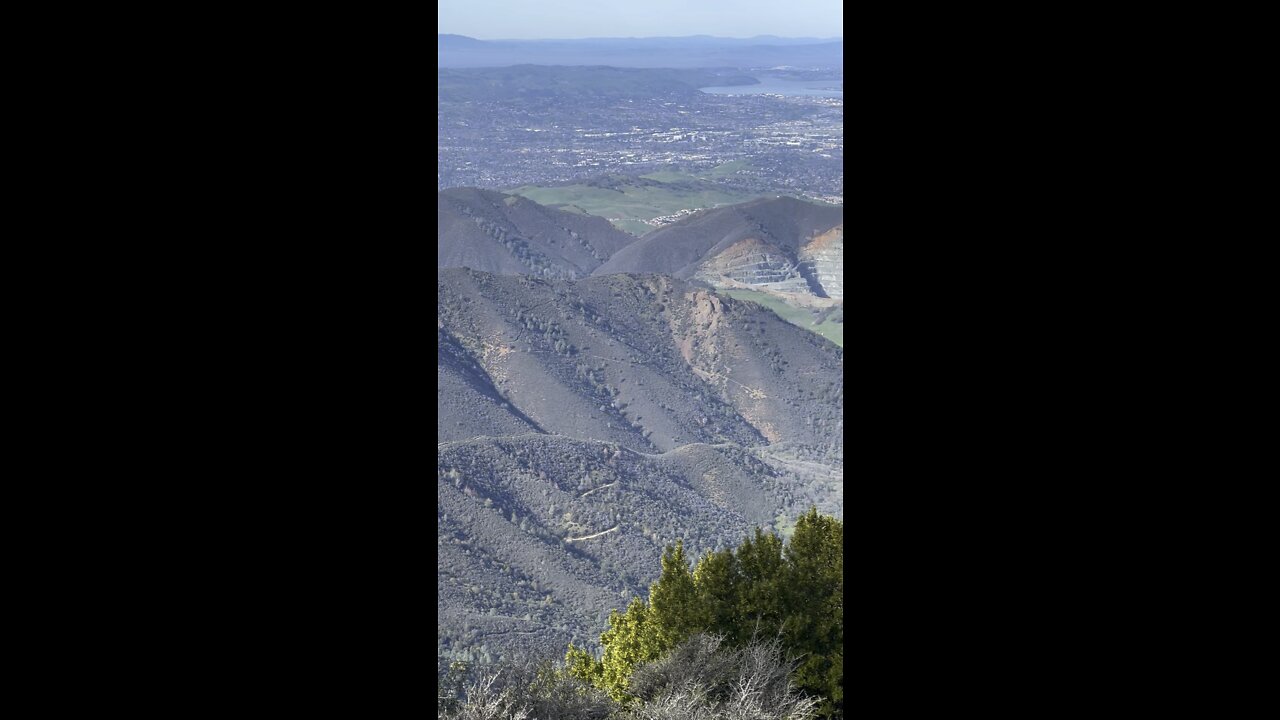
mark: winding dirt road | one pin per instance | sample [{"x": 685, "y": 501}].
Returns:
[{"x": 588, "y": 537}]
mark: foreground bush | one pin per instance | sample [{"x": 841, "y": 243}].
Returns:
[
  {"x": 700, "y": 679},
  {"x": 520, "y": 691}
]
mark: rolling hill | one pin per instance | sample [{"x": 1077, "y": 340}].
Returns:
[
  {"x": 785, "y": 254},
  {"x": 500, "y": 233},
  {"x": 645, "y": 361},
  {"x": 785, "y": 248},
  {"x": 782, "y": 225}
]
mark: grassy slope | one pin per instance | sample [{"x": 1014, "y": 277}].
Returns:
[
  {"x": 669, "y": 176},
  {"x": 627, "y": 209},
  {"x": 799, "y": 317},
  {"x": 726, "y": 169},
  {"x": 635, "y": 227}
]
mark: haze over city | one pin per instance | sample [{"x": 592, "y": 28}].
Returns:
[{"x": 567, "y": 19}]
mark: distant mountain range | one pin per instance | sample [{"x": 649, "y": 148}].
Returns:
[
  {"x": 668, "y": 41},
  {"x": 663, "y": 52}
]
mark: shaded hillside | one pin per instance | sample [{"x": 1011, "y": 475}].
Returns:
[
  {"x": 583, "y": 425},
  {"x": 648, "y": 362},
  {"x": 781, "y": 245},
  {"x": 474, "y": 406},
  {"x": 510, "y": 234},
  {"x": 541, "y": 536}
]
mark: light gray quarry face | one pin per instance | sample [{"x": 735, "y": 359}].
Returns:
[{"x": 824, "y": 260}]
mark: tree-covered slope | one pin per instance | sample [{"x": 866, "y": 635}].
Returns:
[
  {"x": 584, "y": 424},
  {"x": 541, "y": 536},
  {"x": 509, "y": 234},
  {"x": 647, "y": 361}
]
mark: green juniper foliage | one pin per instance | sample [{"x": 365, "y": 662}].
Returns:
[{"x": 762, "y": 589}]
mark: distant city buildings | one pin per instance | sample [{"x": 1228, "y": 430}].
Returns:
[{"x": 790, "y": 143}]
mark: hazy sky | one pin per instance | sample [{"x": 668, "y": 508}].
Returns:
[{"x": 512, "y": 19}]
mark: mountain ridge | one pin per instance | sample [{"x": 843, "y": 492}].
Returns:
[
  {"x": 583, "y": 425},
  {"x": 782, "y": 245},
  {"x": 460, "y": 51},
  {"x": 497, "y": 232}
]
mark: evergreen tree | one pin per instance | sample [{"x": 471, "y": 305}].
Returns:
[
  {"x": 763, "y": 589},
  {"x": 761, "y": 593},
  {"x": 716, "y": 582},
  {"x": 672, "y": 600},
  {"x": 630, "y": 640},
  {"x": 814, "y": 625}
]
